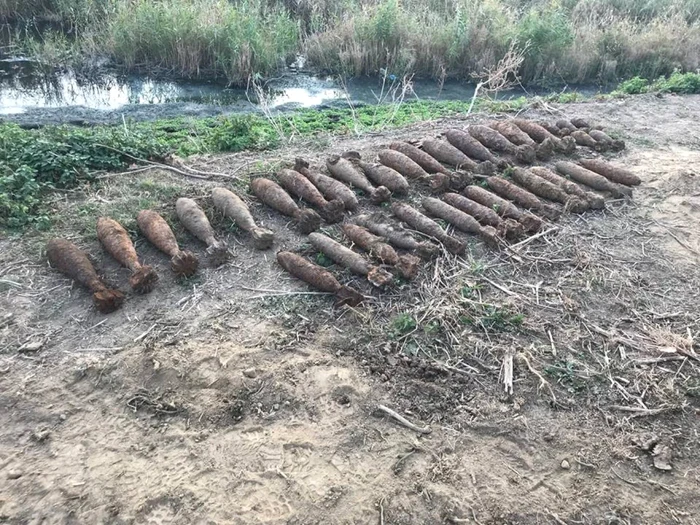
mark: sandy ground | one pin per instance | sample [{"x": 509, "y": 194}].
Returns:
[{"x": 233, "y": 398}]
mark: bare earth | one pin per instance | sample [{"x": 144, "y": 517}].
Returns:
[{"x": 233, "y": 399}]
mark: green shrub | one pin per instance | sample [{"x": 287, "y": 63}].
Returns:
[
  {"x": 633, "y": 86},
  {"x": 686, "y": 83},
  {"x": 240, "y": 133},
  {"x": 20, "y": 200}
]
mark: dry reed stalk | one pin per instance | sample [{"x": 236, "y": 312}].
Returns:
[
  {"x": 398, "y": 238},
  {"x": 594, "y": 200},
  {"x": 611, "y": 172},
  {"x": 158, "y": 232},
  {"x": 331, "y": 188},
  {"x": 592, "y": 179},
  {"x": 71, "y": 261},
  {"x": 460, "y": 220},
  {"x": 349, "y": 259},
  {"x": 407, "y": 265},
  {"x": 275, "y": 197},
  {"x": 195, "y": 221},
  {"x": 233, "y": 207},
  {"x": 318, "y": 278},
  {"x": 116, "y": 241},
  {"x": 296, "y": 184},
  {"x": 425, "y": 225},
  {"x": 345, "y": 170},
  {"x": 545, "y": 189},
  {"x": 504, "y": 208}
]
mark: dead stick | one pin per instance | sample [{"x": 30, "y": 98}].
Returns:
[
  {"x": 543, "y": 381},
  {"x": 405, "y": 422},
  {"x": 195, "y": 174},
  {"x": 532, "y": 238}
]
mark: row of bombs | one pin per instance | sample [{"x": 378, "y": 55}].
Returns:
[{"x": 475, "y": 211}]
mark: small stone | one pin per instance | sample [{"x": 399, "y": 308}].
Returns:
[
  {"x": 63, "y": 417},
  {"x": 34, "y": 346},
  {"x": 565, "y": 465},
  {"x": 40, "y": 435},
  {"x": 14, "y": 474},
  {"x": 250, "y": 373}
]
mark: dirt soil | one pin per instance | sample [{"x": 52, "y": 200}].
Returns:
[{"x": 239, "y": 397}]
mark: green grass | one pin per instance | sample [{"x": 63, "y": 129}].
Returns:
[
  {"x": 33, "y": 162},
  {"x": 677, "y": 82},
  {"x": 402, "y": 324}
]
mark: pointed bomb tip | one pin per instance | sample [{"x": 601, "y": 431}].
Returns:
[
  {"x": 184, "y": 264},
  {"x": 143, "y": 280},
  {"x": 352, "y": 155}
]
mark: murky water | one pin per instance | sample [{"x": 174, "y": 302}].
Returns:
[{"x": 31, "y": 95}]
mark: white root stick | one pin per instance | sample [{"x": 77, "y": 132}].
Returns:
[
  {"x": 508, "y": 373},
  {"x": 543, "y": 381},
  {"x": 402, "y": 420}
]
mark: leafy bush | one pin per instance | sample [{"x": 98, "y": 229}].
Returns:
[
  {"x": 240, "y": 133},
  {"x": 633, "y": 86},
  {"x": 686, "y": 83},
  {"x": 34, "y": 161},
  {"x": 19, "y": 197},
  {"x": 682, "y": 83}
]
